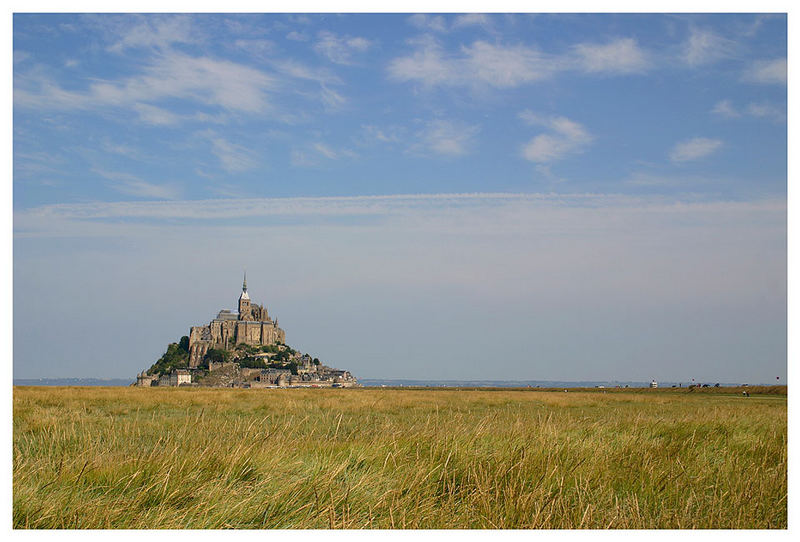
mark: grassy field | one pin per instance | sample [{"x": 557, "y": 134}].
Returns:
[{"x": 375, "y": 458}]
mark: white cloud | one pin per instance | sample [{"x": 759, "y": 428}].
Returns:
[
  {"x": 297, "y": 70},
  {"x": 506, "y": 67},
  {"x": 482, "y": 63},
  {"x": 426, "y": 65},
  {"x": 760, "y": 110},
  {"x": 471, "y": 19},
  {"x": 204, "y": 80},
  {"x": 340, "y": 49},
  {"x": 619, "y": 56},
  {"x": 331, "y": 100},
  {"x": 565, "y": 137},
  {"x": 325, "y": 151},
  {"x": 156, "y": 32},
  {"x": 371, "y": 133},
  {"x": 122, "y": 150},
  {"x": 445, "y": 137},
  {"x": 725, "y": 108},
  {"x": 151, "y": 114},
  {"x": 509, "y": 66},
  {"x": 515, "y": 209},
  {"x": 234, "y": 158},
  {"x": 312, "y": 154},
  {"x": 767, "y": 72},
  {"x": 20, "y": 56},
  {"x": 706, "y": 47},
  {"x": 694, "y": 149},
  {"x": 256, "y": 47},
  {"x": 297, "y": 36},
  {"x": 767, "y": 111},
  {"x": 428, "y": 22},
  {"x": 132, "y": 185}
]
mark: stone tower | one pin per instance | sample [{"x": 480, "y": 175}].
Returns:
[{"x": 245, "y": 312}]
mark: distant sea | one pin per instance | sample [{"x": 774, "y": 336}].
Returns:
[
  {"x": 74, "y": 381},
  {"x": 370, "y": 382},
  {"x": 377, "y": 382}
]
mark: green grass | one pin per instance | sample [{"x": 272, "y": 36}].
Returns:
[{"x": 373, "y": 458}]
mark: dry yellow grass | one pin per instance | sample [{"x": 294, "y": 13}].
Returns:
[{"x": 372, "y": 458}]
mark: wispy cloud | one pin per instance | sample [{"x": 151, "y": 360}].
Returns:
[
  {"x": 331, "y": 100},
  {"x": 20, "y": 56},
  {"x": 515, "y": 209},
  {"x": 132, "y": 185},
  {"x": 234, "y": 158},
  {"x": 326, "y": 151},
  {"x": 314, "y": 154},
  {"x": 694, "y": 149},
  {"x": 766, "y": 72},
  {"x": 388, "y": 134},
  {"x": 219, "y": 83},
  {"x": 617, "y": 57},
  {"x": 121, "y": 149},
  {"x": 340, "y": 49},
  {"x": 158, "y": 32},
  {"x": 428, "y": 22},
  {"x": 297, "y": 36},
  {"x": 505, "y": 66},
  {"x": 481, "y": 63},
  {"x": 438, "y": 23},
  {"x": 706, "y": 47},
  {"x": 565, "y": 137},
  {"x": 445, "y": 137},
  {"x": 766, "y": 110},
  {"x": 151, "y": 114},
  {"x": 725, "y": 108},
  {"x": 256, "y": 47},
  {"x": 509, "y": 66},
  {"x": 298, "y": 70},
  {"x": 761, "y": 110},
  {"x": 471, "y": 19}
]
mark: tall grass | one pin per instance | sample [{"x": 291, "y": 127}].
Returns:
[{"x": 372, "y": 458}]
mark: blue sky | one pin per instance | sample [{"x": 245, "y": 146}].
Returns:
[{"x": 467, "y": 196}]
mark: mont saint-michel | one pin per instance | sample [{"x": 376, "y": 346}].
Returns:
[{"x": 241, "y": 348}]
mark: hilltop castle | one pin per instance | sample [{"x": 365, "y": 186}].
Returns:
[{"x": 250, "y": 325}]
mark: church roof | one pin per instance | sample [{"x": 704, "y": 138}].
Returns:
[{"x": 244, "y": 289}]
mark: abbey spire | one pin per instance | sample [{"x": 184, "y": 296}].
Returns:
[{"x": 245, "y": 312}]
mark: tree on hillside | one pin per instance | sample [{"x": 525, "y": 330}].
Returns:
[
  {"x": 252, "y": 363},
  {"x": 217, "y": 355},
  {"x": 174, "y": 358}
]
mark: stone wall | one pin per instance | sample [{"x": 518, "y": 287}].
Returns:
[{"x": 226, "y": 334}]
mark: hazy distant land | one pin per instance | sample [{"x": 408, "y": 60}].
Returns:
[{"x": 377, "y": 382}]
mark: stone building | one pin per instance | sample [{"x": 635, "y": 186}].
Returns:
[
  {"x": 179, "y": 377},
  {"x": 251, "y": 325},
  {"x": 144, "y": 380}
]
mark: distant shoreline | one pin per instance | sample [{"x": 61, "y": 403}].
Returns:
[{"x": 394, "y": 383}]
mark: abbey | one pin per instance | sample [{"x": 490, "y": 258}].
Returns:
[{"x": 251, "y": 325}]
